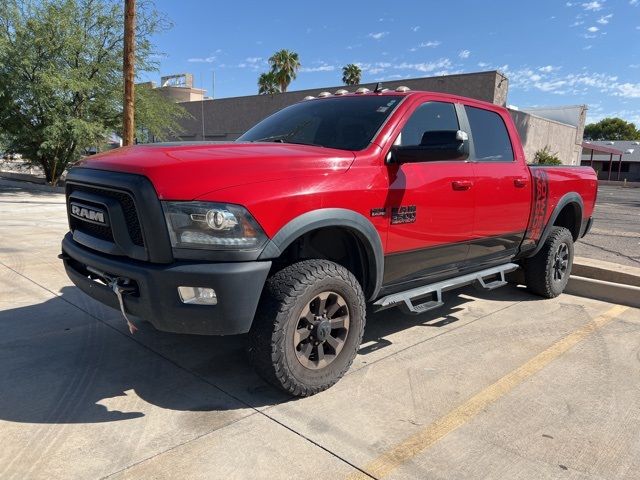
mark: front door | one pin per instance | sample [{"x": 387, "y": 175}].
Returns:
[{"x": 431, "y": 205}]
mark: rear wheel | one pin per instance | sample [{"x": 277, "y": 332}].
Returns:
[
  {"x": 548, "y": 271},
  {"x": 308, "y": 327}
]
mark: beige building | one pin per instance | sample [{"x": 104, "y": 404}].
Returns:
[{"x": 178, "y": 88}]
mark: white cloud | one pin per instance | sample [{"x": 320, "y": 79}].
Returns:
[
  {"x": 253, "y": 59},
  {"x": 593, "y": 29},
  {"x": 483, "y": 64},
  {"x": 633, "y": 3},
  {"x": 210, "y": 59},
  {"x": 378, "y": 35},
  {"x": 443, "y": 63},
  {"x": 321, "y": 68},
  {"x": 628, "y": 90},
  {"x": 416, "y": 28},
  {"x": 464, "y": 53},
  {"x": 577, "y": 23},
  {"x": 588, "y": 47},
  {"x": 548, "y": 69},
  {"x": 430, "y": 44},
  {"x": 593, "y": 6},
  {"x": 604, "y": 20}
]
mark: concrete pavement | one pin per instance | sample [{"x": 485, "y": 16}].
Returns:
[{"x": 494, "y": 385}]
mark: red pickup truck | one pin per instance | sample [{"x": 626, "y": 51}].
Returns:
[{"x": 388, "y": 197}]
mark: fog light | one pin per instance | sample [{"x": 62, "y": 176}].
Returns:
[{"x": 198, "y": 295}]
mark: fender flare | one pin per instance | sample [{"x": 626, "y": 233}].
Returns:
[
  {"x": 334, "y": 217},
  {"x": 566, "y": 199}
]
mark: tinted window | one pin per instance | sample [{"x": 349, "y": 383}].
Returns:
[
  {"x": 490, "y": 137},
  {"x": 428, "y": 117},
  {"x": 347, "y": 123}
]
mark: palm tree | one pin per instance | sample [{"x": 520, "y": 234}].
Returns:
[
  {"x": 267, "y": 84},
  {"x": 351, "y": 74},
  {"x": 284, "y": 65}
]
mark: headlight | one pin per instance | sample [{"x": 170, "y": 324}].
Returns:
[{"x": 215, "y": 226}]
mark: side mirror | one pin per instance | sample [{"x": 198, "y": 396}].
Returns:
[{"x": 435, "y": 145}]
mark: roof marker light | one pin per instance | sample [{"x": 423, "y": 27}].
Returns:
[
  {"x": 324, "y": 94},
  {"x": 309, "y": 97},
  {"x": 362, "y": 90},
  {"x": 342, "y": 91},
  {"x": 402, "y": 89}
]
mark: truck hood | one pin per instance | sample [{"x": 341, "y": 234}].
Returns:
[{"x": 188, "y": 171}]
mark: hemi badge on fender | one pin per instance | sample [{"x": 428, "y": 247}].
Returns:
[{"x": 378, "y": 212}]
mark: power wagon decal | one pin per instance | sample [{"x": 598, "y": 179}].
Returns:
[{"x": 538, "y": 208}]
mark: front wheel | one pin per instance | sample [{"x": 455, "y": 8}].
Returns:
[
  {"x": 547, "y": 272},
  {"x": 308, "y": 327}
]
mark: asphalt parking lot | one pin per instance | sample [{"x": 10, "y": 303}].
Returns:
[
  {"x": 494, "y": 385},
  {"x": 615, "y": 236}
]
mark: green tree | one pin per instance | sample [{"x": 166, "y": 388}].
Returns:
[
  {"x": 157, "y": 117},
  {"x": 267, "y": 84},
  {"x": 351, "y": 74},
  {"x": 611, "y": 129},
  {"x": 546, "y": 157},
  {"x": 61, "y": 76},
  {"x": 284, "y": 66}
]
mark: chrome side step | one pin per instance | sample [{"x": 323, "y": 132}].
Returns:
[{"x": 481, "y": 279}]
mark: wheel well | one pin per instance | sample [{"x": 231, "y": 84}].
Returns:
[
  {"x": 337, "y": 244},
  {"x": 570, "y": 217}
]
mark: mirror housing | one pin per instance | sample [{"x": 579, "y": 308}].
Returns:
[{"x": 435, "y": 146}]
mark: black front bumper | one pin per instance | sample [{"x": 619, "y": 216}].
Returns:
[{"x": 238, "y": 287}]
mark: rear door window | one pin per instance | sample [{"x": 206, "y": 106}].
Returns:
[{"x": 491, "y": 141}]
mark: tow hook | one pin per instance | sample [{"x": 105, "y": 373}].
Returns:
[{"x": 120, "y": 286}]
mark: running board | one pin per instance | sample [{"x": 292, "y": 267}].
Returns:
[{"x": 481, "y": 279}]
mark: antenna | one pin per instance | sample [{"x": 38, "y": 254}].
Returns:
[
  {"x": 202, "y": 107},
  {"x": 378, "y": 88}
]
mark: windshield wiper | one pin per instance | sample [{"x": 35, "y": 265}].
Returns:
[
  {"x": 274, "y": 138},
  {"x": 284, "y": 137}
]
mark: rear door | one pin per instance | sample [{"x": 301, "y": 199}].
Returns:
[
  {"x": 431, "y": 204},
  {"x": 502, "y": 187}
]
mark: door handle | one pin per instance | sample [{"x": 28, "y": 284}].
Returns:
[
  {"x": 462, "y": 184},
  {"x": 520, "y": 182}
]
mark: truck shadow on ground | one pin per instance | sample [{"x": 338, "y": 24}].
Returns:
[{"x": 61, "y": 365}]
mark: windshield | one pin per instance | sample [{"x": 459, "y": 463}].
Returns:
[{"x": 347, "y": 123}]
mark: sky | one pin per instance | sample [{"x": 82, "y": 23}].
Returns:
[{"x": 553, "y": 52}]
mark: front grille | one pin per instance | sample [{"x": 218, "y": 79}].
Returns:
[{"x": 104, "y": 232}]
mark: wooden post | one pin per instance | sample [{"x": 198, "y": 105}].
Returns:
[
  {"x": 619, "y": 167},
  {"x": 128, "y": 125},
  {"x": 591, "y": 164},
  {"x": 610, "y": 165}
]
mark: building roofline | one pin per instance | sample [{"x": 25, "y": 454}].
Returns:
[
  {"x": 395, "y": 80},
  {"x": 601, "y": 148}
]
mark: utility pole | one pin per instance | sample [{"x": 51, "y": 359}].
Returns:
[{"x": 128, "y": 126}]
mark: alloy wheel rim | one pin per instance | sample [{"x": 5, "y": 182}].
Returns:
[
  {"x": 561, "y": 262},
  {"x": 321, "y": 330}
]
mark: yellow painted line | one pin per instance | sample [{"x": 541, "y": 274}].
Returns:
[{"x": 420, "y": 441}]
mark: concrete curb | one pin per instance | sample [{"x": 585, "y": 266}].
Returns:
[
  {"x": 609, "y": 272},
  {"x": 28, "y": 185},
  {"x": 602, "y": 290},
  {"x": 605, "y": 281}
]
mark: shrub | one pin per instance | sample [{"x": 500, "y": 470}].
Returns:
[{"x": 546, "y": 157}]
